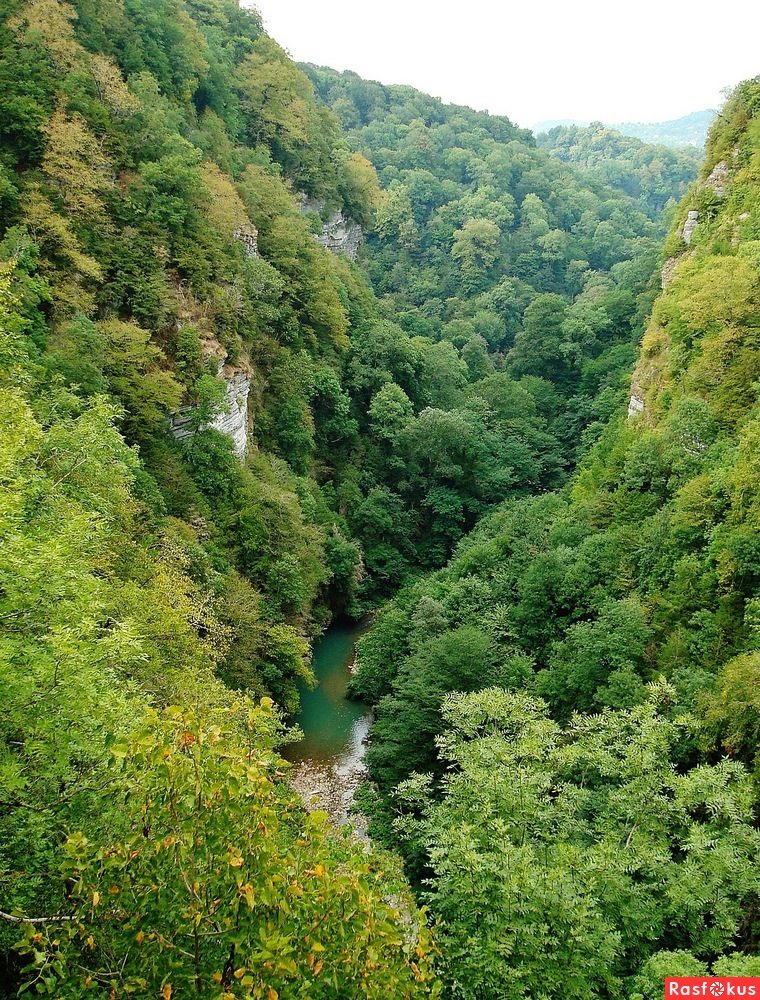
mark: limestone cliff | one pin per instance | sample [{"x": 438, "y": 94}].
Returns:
[
  {"x": 340, "y": 235},
  {"x": 232, "y": 420}
]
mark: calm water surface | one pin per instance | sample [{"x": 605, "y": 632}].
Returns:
[{"x": 334, "y": 727}]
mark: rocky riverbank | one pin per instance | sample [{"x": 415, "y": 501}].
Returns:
[{"x": 331, "y": 787}]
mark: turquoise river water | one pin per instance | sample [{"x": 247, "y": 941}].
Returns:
[{"x": 334, "y": 726}]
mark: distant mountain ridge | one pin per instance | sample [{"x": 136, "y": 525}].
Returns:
[
  {"x": 652, "y": 174},
  {"x": 689, "y": 130}
]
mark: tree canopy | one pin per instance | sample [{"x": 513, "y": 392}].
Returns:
[{"x": 564, "y": 651}]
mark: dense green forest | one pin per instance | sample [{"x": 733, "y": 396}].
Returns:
[
  {"x": 538, "y": 276},
  {"x": 655, "y": 176},
  {"x": 218, "y": 434},
  {"x": 567, "y": 721},
  {"x": 157, "y": 595}
]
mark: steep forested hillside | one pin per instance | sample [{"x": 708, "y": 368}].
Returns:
[
  {"x": 153, "y": 255},
  {"x": 596, "y": 792},
  {"x": 223, "y": 423}
]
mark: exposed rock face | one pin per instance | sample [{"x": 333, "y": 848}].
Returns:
[
  {"x": 636, "y": 402},
  {"x": 339, "y": 234},
  {"x": 249, "y": 237},
  {"x": 717, "y": 182},
  {"x": 635, "y": 405},
  {"x": 667, "y": 271},
  {"x": 718, "y": 178},
  {"x": 689, "y": 226},
  {"x": 233, "y": 421},
  {"x": 180, "y": 423}
]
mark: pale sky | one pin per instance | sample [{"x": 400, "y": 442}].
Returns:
[{"x": 639, "y": 60}]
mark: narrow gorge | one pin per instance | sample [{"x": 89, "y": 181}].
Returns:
[{"x": 327, "y": 404}]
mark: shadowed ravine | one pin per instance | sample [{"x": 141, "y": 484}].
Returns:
[{"x": 328, "y": 762}]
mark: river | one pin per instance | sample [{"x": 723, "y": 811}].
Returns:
[{"x": 328, "y": 761}]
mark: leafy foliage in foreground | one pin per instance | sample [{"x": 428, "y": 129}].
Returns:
[
  {"x": 212, "y": 883},
  {"x": 137, "y": 573},
  {"x": 584, "y": 846},
  {"x": 193, "y": 843},
  {"x": 145, "y": 148}
]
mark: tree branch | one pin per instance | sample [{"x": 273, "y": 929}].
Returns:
[{"x": 32, "y": 920}]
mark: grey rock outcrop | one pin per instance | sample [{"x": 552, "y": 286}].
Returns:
[
  {"x": 635, "y": 405},
  {"x": 339, "y": 235},
  {"x": 232, "y": 420},
  {"x": 718, "y": 178},
  {"x": 249, "y": 237},
  {"x": 717, "y": 182},
  {"x": 689, "y": 226},
  {"x": 667, "y": 271}
]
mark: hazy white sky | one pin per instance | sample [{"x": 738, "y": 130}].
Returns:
[{"x": 638, "y": 60}]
